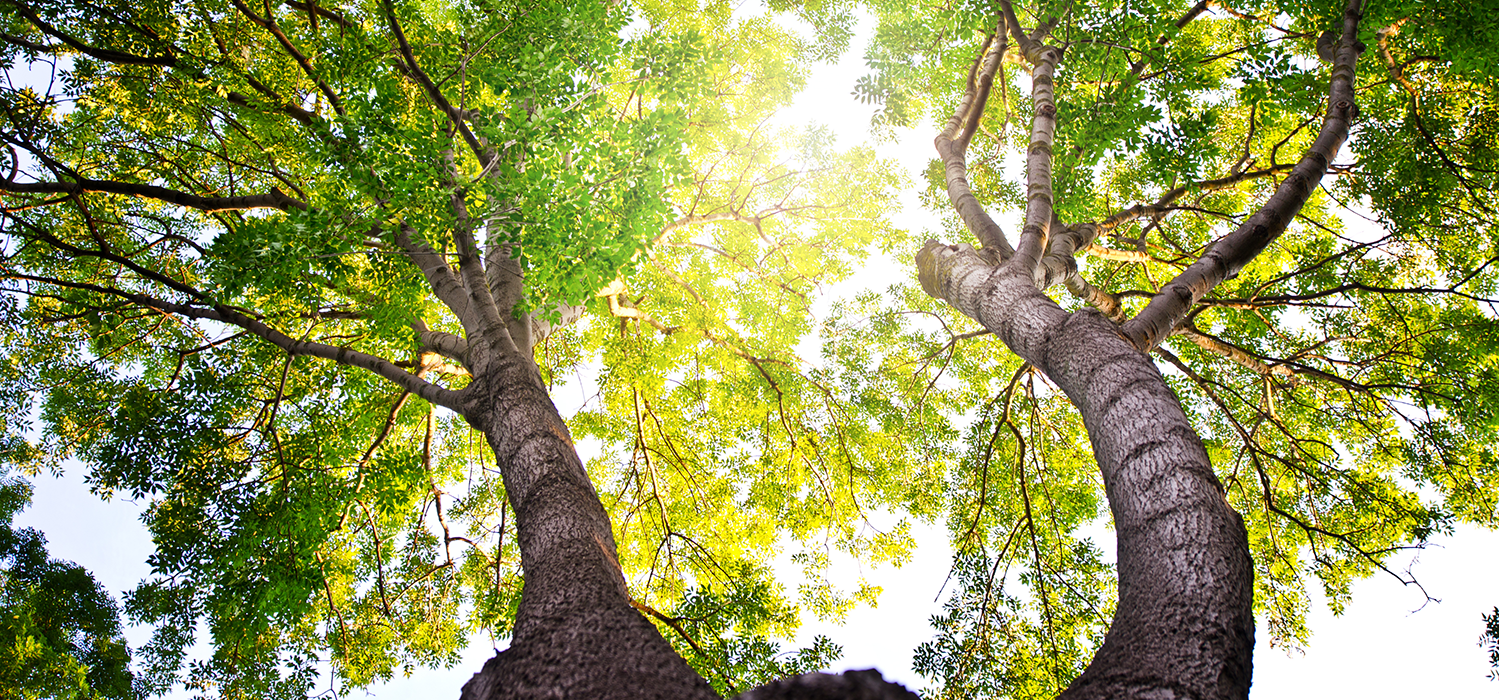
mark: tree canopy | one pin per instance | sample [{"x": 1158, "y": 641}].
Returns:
[
  {"x": 1336, "y": 376},
  {"x": 300, "y": 274}
]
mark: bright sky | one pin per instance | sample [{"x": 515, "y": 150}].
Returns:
[{"x": 1386, "y": 645}]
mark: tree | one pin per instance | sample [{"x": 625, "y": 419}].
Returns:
[
  {"x": 1146, "y": 113},
  {"x": 1490, "y": 641},
  {"x": 235, "y": 231},
  {"x": 59, "y": 629}
]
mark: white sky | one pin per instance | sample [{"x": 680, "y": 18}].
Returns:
[{"x": 1382, "y": 647}]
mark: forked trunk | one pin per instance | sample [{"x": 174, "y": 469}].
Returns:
[{"x": 1184, "y": 626}]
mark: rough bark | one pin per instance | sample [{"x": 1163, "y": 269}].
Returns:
[
  {"x": 576, "y": 634},
  {"x": 1183, "y": 627},
  {"x": 853, "y": 685},
  {"x": 1039, "y": 218}
]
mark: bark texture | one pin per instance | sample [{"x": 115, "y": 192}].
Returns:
[
  {"x": 852, "y": 685},
  {"x": 576, "y": 634},
  {"x": 1184, "y": 627}
]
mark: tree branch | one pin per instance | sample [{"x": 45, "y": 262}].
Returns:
[
  {"x": 445, "y": 285},
  {"x": 952, "y": 143},
  {"x": 416, "y": 73},
  {"x": 493, "y": 327},
  {"x": 1231, "y": 253},
  {"x": 1039, "y": 215},
  {"x": 106, "y": 55},
  {"x": 275, "y": 199},
  {"x": 446, "y": 344},
  {"x": 1114, "y": 220},
  {"x": 320, "y": 11},
  {"x": 269, "y": 24},
  {"x": 226, "y": 314},
  {"x": 1192, "y": 14}
]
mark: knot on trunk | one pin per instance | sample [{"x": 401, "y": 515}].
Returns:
[{"x": 935, "y": 263}]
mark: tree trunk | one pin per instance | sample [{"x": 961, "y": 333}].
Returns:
[
  {"x": 576, "y": 634},
  {"x": 1184, "y": 627}
]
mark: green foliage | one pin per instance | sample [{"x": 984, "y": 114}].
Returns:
[
  {"x": 310, "y": 515},
  {"x": 726, "y": 635},
  {"x": 1344, "y": 383},
  {"x": 722, "y": 444},
  {"x": 1019, "y": 511},
  {"x": 59, "y": 629},
  {"x": 301, "y": 509}
]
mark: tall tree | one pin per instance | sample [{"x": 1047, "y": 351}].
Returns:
[
  {"x": 251, "y": 247},
  {"x": 59, "y": 630},
  {"x": 1330, "y": 372}
]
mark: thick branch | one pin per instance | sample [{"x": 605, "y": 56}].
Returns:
[
  {"x": 1039, "y": 216},
  {"x": 1063, "y": 243},
  {"x": 507, "y": 285},
  {"x": 953, "y": 142},
  {"x": 1031, "y": 44},
  {"x": 445, "y": 344},
  {"x": 1231, "y": 253},
  {"x": 275, "y": 199},
  {"x": 543, "y": 328},
  {"x": 493, "y": 327},
  {"x": 440, "y": 278},
  {"x": 1060, "y": 264},
  {"x": 1107, "y": 304},
  {"x": 1239, "y": 355},
  {"x": 226, "y": 314}
]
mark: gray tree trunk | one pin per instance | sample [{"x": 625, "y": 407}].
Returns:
[
  {"x": 1184, "y": 626},
  {"x": 576, "y": 634}
]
